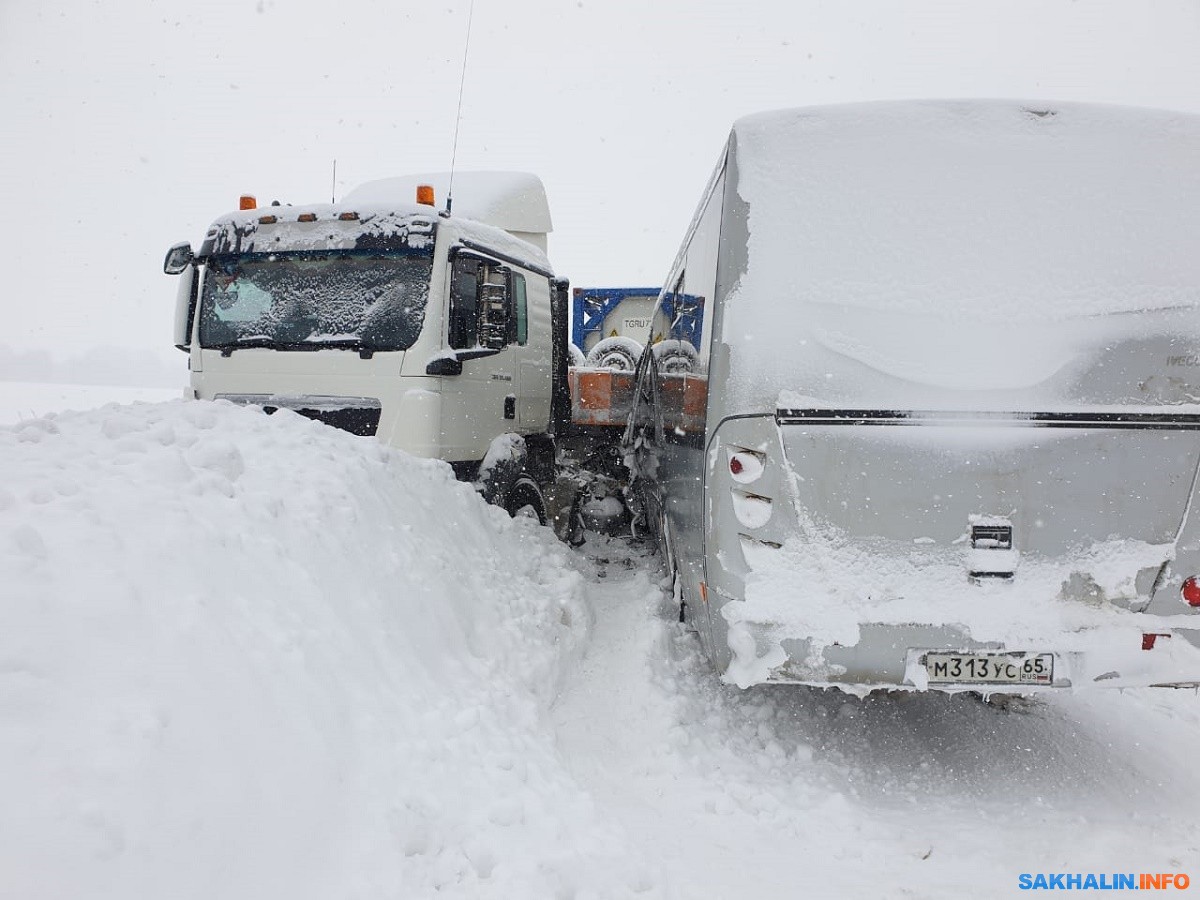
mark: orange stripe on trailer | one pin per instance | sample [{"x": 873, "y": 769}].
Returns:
[
  {"x": 600, "y": 396},
  {"x": 695, "y": 396}
]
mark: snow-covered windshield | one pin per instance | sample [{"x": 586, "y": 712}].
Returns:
[{"x": 306, "y": 300}]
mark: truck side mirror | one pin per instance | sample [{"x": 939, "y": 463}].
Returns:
[
  {"x": 185, "y": 307},
  {"x": 179, "y": 257},
  {"x": 444, "y": 365}
]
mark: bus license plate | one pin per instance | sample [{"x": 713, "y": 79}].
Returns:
[{"x": 990, "y": 668}]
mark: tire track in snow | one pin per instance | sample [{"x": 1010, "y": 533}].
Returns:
[{"x": 692, "y": 769}]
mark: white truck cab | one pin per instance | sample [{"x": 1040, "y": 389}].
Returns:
[{"x": 434, "y": 332}]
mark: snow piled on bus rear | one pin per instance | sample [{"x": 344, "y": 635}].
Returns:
[
  {"x": 848, "y": 586},
  {"x": 246, "y": 656}
]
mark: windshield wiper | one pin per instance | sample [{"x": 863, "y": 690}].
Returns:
[
  {"x": 261, "y": 342},
  {"x": 228, "y": 347},
  {"x": 365, "y": 350}
]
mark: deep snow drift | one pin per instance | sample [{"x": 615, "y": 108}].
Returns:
[
  {"x": 251, "y": 656},
  {"x": 247, "y": 657}
]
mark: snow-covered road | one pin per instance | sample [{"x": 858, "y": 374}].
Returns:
[
  {"x": 786, "y": 791},
  {"x": 247, "y": 656}
]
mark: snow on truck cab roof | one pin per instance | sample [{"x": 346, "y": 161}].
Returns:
[
  {"x": 506, "y": 212},
  {"x": 919, "y": 248},
  {"x": 512, "y": 201}
]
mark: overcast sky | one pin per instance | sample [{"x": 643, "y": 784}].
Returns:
[{"x": 130, "y": 125}]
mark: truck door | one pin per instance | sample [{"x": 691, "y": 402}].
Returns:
[
  {"x": 480, "y": 403},
  {"x": 533, "y": 347}
]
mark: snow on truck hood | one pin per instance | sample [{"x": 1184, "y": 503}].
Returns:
[
  {"x": 909, "y": 249},
  {"x": 250, "y": 656}
]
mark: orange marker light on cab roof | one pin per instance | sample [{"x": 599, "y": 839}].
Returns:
[
  {"x": 247, "y": 201},
  {"x": 425, "y": 194}
]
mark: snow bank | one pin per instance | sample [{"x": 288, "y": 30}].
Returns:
[{"x": 250, "y": 656}]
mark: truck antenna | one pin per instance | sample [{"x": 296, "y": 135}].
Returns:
[
  {"x": 458, "y": 115},
  {"x": 333, "y": 186}
]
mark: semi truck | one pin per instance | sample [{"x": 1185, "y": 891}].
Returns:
[{"x": 440, "y": 332}]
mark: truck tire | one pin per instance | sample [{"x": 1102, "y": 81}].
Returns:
[
  {"x": 524, "y": 500},
  {"x": 676, "y": 357},
  {"x": 576, "y": 356},
  {"x": 620, "y": 353}
]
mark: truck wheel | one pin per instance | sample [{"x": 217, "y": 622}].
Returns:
[
  {"x": 525, "y": 500},
  {"x": 620, "y": 353},
  {"x": 676, "y": 356},
  {"x": 576, "y": 356}
]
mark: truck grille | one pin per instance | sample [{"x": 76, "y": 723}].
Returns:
[
  {"x": 356, "y": 420},
  {"x": 357, "y": 415}
]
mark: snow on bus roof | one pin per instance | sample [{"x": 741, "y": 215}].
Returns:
[
  {"x": 985, "y": 244},
  {"x": 988, "y": 208}
]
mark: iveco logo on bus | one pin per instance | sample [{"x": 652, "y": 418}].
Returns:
[{"x": 1184, "y": 360}]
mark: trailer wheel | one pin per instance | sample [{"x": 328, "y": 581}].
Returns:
[
  {"x": 677, "y": 357},
  {"x": 524, "y": 500},
  {"x": 620, "y": 353}
]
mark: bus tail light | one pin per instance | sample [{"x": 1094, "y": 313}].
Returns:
[
  {"x": 745, "y": 466},
  {"x": 1190, "y": 591}
]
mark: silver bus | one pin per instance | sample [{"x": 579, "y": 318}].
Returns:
[{"x": 942, "y": 426}]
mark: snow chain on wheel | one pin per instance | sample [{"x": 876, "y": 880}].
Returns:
[
  {"x": 524, "y": 499},
  {"x": 678, "y": 357},
  {"x": 619, "y": 353}
]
